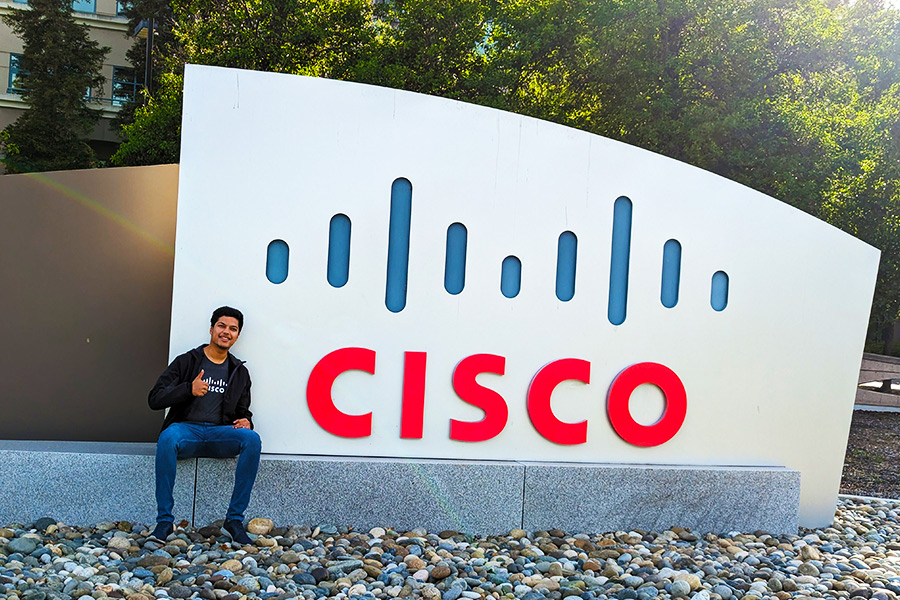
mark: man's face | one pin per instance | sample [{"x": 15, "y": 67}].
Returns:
[{"x": 224, "y": 333}]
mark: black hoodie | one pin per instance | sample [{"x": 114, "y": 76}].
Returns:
[{"x": 173, "y": 388}]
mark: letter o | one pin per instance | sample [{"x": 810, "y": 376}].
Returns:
[{"x": 620, "y": 394}]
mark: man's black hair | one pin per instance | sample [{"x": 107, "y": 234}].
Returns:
[{"x": 227, "y": 311}]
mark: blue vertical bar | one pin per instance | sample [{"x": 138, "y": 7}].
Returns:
[
  {"x": 455, "y": 259},
  {"x": 566, "y": 255},
  {"x": 398, "y": 245},
  {"x": 618, "y": 264},
  {"x": 718, "y": 297},
  {"x": 338, "y": 250},
  {"x": 671, "y": 273},
  {"x": 511, "y": 277},
  {"x": 277, "y": 255}
]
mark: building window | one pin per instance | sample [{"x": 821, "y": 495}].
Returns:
[
  {"x": 85, "y": 6},
  {"x": 125, "y": 85},
  {"x": 14, "y": 86},
  {"x": 121, "y": 7}
]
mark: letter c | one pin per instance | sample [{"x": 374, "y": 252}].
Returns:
[
  {"x": 542, "y": 386},
  {"x": 318, "y": 392}
]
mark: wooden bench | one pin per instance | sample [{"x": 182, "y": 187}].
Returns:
[{"x": 876, "y": 367}]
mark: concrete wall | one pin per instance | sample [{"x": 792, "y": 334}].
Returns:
[
  {"x": 487, "y": 497},
  {"x": 85, "y": 290}
]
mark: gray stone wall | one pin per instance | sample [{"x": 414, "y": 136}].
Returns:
[{"x": 86, "y": 483}]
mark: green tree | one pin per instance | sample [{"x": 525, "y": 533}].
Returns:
[
  {"x": 843, "y": 118},
  {"x": 795, "y": 98},
  {"x": 154, "y": 137},
  {"x": 853, "y": 137},
  {"x": 59, "y": 65},
  {"x": 434, "y": 47},
  {"x": 164, "y": 55},
  {"x": 302, "y": 37}
]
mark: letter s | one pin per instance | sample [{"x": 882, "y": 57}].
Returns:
[{"x": 494, "y": 406}]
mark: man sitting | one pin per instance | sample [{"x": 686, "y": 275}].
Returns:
[{"x": 207, "y": 392}]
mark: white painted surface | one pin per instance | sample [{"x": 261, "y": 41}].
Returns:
[{"x": 770, "y": 380}]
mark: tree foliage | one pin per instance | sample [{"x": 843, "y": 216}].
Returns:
[
  {"x": 59, "y": 64},
  {"x": 799, "y": 99},
  {"x": 163, "y": 58},
  {"x": 428, "y": 46},
  {"x": 154, "y": 136}
]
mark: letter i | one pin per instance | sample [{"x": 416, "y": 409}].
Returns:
[{"x": 413, "y": 408}]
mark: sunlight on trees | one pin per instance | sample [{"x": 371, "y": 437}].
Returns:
[{"x": 798, "y": 100}]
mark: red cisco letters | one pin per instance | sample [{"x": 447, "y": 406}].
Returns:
[{"x": 496, "y": 412}]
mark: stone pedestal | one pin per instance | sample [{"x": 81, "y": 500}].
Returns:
[{"x": 87, "y": 482}]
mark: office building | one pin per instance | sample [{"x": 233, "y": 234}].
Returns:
[{"x": 109, "y": 28}]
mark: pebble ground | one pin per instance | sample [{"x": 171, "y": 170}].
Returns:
[{"x": 857, "y": 557}]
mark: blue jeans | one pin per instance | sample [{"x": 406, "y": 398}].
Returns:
[{"x": 193, "y": 440}]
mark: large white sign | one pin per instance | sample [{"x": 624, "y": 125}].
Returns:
[{"x": 428, "y": 278}]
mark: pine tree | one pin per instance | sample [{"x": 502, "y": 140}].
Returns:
[{"x": 59, "y": 65}]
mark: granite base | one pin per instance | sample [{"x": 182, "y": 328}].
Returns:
[
  {"x": 475, "y": 497},
  {"x": 654, "y": 498},
  {"x": 82, "y": 483}
]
